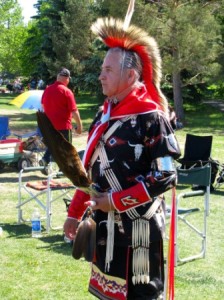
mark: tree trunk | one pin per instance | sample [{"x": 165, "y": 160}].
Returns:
[{"x": 177, "y": 94}]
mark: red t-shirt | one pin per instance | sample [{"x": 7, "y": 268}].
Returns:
[{"x": 59, "y": 103}]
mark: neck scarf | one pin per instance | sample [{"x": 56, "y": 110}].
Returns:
[{"x": 136, "y": 102}]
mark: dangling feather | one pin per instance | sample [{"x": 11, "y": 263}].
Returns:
[
  {"x": 64, "y": 153},
  {"x": 85, "y": 240},
  {"x": 129, "y": 14}
]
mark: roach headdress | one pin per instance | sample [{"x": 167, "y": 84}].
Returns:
[{"x": 116, "y": 33}]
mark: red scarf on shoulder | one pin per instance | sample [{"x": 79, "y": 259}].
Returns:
[{"x": 137, "y": 102}]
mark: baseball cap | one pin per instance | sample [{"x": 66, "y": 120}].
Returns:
[{"x": 64, "y": 72}]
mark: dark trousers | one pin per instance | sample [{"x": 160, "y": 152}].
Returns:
[{"x": 67, "y": 134}]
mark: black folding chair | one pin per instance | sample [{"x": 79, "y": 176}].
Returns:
[
  {"x": 196, "y": 227},
  {"x": 197, "y": 153}
]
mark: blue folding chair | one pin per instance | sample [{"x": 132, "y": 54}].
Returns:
[
  {"x": 5, "y": 131},
  {"x": 4, "y": 128}
]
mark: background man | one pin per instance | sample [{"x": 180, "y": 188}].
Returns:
[{"x": 59, "y": 104}]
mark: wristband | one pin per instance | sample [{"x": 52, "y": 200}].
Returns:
[
  {"x": 77, "y": 206},
  {"x": 71, "y": 218},
  {"x": 130, "y": 198}
]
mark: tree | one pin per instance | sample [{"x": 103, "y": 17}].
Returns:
[
  {"x": 12, "y": 35},
  {"x": 63, "y": 26},
  {"x": 188, "y": 34},
  {"x": 74, "y": 44},
  {"x": 48, "y": 22},
  {"x": 31, "y": 58}
]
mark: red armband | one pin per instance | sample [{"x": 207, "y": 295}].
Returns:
[
  {"x": 77, "y": 207},
  {"x": 130, "y": 198}
]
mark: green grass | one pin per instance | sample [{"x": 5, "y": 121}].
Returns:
[{"x": 33, "y": 269}]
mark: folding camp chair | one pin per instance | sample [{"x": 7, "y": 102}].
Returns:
[
  {"x": 195, "y": 228},
  {"x": 42, "y": 193},
  {"x": 4, "y": 128},
  {"x": 197, "y": 152}
]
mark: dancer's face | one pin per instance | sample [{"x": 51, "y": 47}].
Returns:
[{"x": 114, "y": 80}]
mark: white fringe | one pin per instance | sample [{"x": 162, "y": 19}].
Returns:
[
  {"x": 141, "y": 243},
  {"x": 110, "y": 240}
]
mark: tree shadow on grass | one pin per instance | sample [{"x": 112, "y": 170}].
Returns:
[
  {"x": 182, "y": 187},
  {"x": 16, "y": 230},
  {"x": 51, "y": 242},
  {"x": 218, "y": 192},
  {"x": 57, "y": 244}
]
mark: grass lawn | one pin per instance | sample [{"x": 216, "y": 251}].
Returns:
[{"x": 34, "y": 269}]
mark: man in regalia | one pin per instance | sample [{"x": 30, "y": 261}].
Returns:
[{"x": 129, "y": 157}]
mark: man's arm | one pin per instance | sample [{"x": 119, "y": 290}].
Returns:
[{"x": 76, "y": 117}]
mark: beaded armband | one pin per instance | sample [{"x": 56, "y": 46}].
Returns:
[{"x": 130, "y": 198}]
